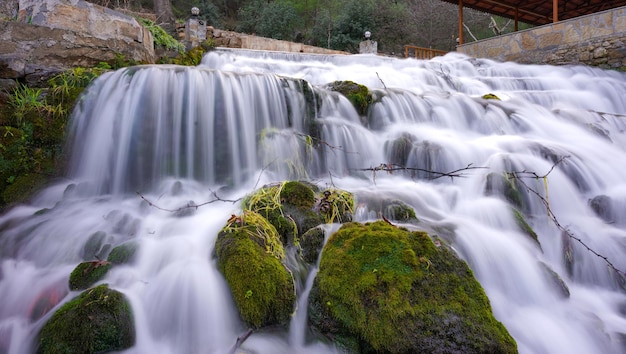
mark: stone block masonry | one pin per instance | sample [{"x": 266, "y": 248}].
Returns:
[
  {"x": 597, "y": 40},
  {"x": 53, "y": 35}
]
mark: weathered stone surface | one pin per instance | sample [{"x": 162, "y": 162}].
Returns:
[
  {"x": 239, "y": 40},
  {"x": 595, "y": 39},
  {"x": 53, "y": 35}
]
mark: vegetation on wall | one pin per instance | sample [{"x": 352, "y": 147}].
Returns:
[{"x": 33, "y": 123}]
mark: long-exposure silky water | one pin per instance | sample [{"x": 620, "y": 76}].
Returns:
[{"x": 547, "y": 151}]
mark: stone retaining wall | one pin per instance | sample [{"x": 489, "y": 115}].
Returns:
[
  {"x": 230, "y": 39},
  {"x": 596, "y": 39}
]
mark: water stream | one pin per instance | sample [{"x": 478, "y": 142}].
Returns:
[{"x": 149, "y": 139}]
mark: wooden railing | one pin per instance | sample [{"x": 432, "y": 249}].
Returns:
[{"x": 421, "y": 53}]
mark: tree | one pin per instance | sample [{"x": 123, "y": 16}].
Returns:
[{"x": 164, "y": 14}]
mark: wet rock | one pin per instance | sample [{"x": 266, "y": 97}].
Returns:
[
  {"x": 359, "y": 95},
  {"x": 394, "y": 291},
  {"x": 99, "y": 320},
  {"x": 556, "y": 280},
  {"x": 311, "y": 244},
  {"x": 124, "y": 253},
  {"x": 249, "y": 255},
  {"x": 603, "y": 207},
  {"x": 87, "y": 274}
]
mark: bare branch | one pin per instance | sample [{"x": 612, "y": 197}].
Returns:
[
  {"x": 189, "y": 205},
  {"x": 389, "y": 168}
]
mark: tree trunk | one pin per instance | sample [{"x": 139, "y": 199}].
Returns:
[{"x": 164, "y": 14}]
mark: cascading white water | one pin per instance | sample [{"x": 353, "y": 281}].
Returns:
[{"x": 241, "y": 119}]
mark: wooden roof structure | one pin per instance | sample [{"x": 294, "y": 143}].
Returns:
[{"x": 536, "y": 12}]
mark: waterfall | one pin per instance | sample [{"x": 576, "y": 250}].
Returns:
[{"x": 147, "y": 140}]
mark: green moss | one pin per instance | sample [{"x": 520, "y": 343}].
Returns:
[
  {"x": 399, "y": 211},
  {"x": 524, "y": 227},
  {"x": 297, "y": 194},
  {"x": 88, "y": 273},
  {"x": 193, "y": 57},
  {"x": 23, "y": 187},
  {"x": 490, "y": 96},
  {"x": 311, "y": 244},
  {"x": 267, "y": 202},
  {"x": 397, "y": 292},
  {"x": 249, "y": 256},
  {"x": 98, "y": 320},
  {"x": 359, "y": 95},
  {"x": 124, "y": 253}
]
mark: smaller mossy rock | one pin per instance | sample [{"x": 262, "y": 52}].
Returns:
[
  {"x": 298, "y": 194},
  {"x": 99, "y": 320},
  {"x": 359, "y": 95},
  {"x": 556, "y": 280},
  {"x": 509, "y": 188},
  {"x": 490, "y": 96},
  {"x": 94, "y": 246},
  {"x": 525, "y": 227},
  {"x": 266, "y": 202},
  {"x": 397, "y": 292},
  {"x": 399, "y": 149},
  {"x": 336, "y": 205},
  {"x": 88, "y": 273},
  {"x": 311, "y": 244},
  {"x": 399, "y": 211},
  {"x": 249, "y": 255},
  {"x": 124, "y": 253}
]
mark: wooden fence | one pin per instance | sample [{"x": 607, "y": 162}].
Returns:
[{"x": 411, "y": 51}]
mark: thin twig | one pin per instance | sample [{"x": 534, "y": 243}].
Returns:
[
  {"x": 381, "y": 80},
  {"x": 389, "y": 168},
  {"x": 188, "y": 206}
]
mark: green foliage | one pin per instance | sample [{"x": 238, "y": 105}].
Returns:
[
  {"x": 161, "y": 37},
  {"x": 336, "y": 205},
  {"x": 277, "y": 19},
  {"x": 193, "y": 57},
  {"x": 98, "y": 320},
  {"x": 396, "y": 292},
  {"x": 34, "y": 131},
  {"x": 249, "y": 256}
]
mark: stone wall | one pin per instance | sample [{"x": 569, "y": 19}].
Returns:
[
  {"x": 596, "y": 39},
  {"x": 230, "y": 39},
  {"x": 53, "y": 35}
]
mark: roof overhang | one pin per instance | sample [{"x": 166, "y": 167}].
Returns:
[{"x": 539, "y": 12}]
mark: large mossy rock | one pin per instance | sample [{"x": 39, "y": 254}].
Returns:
[
  {"x": 249, "y": 255},
  {"x": 99, "y": 320},
  {"x": 383, "y": 289}
]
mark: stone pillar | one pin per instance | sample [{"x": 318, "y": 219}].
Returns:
[
  {"x": 368, "y": 47},
  {"x": 195, "y": 30}
]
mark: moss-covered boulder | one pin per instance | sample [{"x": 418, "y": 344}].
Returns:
[
  {"x": 249, "y": 255},
  {"x": 99, "y": 320},
  {"x": 295, "y": 207},
  {"x": 359, "y": 95},
  {"x": 88, "y": 273},
  {"x": 384, "y": 289},
  {"x": 124, "y": 253}
]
